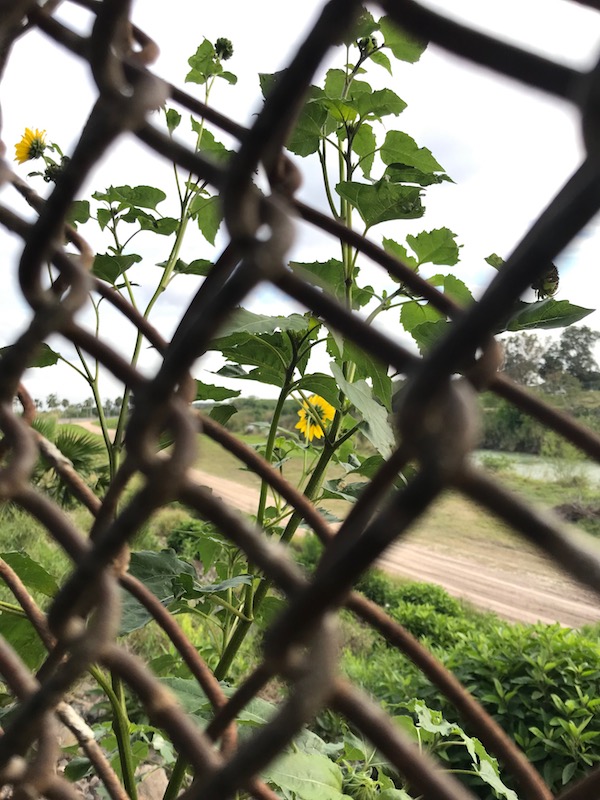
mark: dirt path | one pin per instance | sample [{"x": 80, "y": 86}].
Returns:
[{"x": 510, "y": 579}]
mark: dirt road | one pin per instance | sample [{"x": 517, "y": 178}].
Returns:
[
  {"x": 516, "y": 583},
  {"x": 505, "y": 576}
]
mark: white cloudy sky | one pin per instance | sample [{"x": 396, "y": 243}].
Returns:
[{"x": 508, "y": 148}]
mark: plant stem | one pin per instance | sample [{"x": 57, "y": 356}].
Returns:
[{"x": 121, "y": 727}]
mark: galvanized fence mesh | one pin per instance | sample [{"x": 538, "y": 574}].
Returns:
[{"x": 436, "y": 424}]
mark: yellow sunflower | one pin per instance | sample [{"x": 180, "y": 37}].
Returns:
[
  {"x": 31, "y": 146},
  {"x": 314, "y": 416}
]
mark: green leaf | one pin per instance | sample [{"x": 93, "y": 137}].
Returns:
[
  {"x": 400, "y": 253},
  {"x": 404, "y": 46},
  {"x": 200, "y": 266},
  {"x": 495, "y": 261},
  {"x": 377, "y": 428},
  {"x": 208, "y": 214},
  {"x": 399, "y": 147},
  {"x": 400, "y": 173},
  {"x": 138, "y": 196},
  {"x": 192, "y": 589},
  {"x": 33, "y": 575},
  {"x": 45, "y": 357},
  {"x": 427, "y": 334},
  {"x": 108, "y": 267},
  {"x": 173, "y": 119},
  {"x": 79, "y": 212},
  {"x": 366, "y": 366},
  {"x": 20, "y": 634},
  {"x": 206, "y": 391},
  {"x": 381, "y": 60},
  {"x": 306, "y": 776},
  {"x": 164, "y": 226},
  {"x": 229, "y": 77},
  {"x": 322, "y": 385},
  {"x": 435, "y": 247},
  {"x": 382, "y": 201},
  {"x": 364, "y": 144},
  {"x": 244, "y": 321},
  {"x": 339, "y": 489},
  {"x": 415, "y": 313},
  {"x": 214, "y": 148},
  {"x": 189, "y": 694},
  {"x": 307, "y": 134},
  {"x": 203, "y": 64},
  {"x": 457, "y": 290},
  {"x": 379, "y": 104},
  {"x": 364, "y": 26},
  {"x": 104, "y": 216},
  {"x": 222, "y": 414},
  {"x": 156, "y": 571},
  {"x": 548, "y": 313}
]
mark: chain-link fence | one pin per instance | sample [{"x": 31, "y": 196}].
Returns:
[{"x": 437, "y": 423}]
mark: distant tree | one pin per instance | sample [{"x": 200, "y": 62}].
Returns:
[
  {"x": 523, "y": 358},
  {"x": 52, "y": 401},
  {"x": 573, "y": 354},
  {"x": 65, "y": 403}
]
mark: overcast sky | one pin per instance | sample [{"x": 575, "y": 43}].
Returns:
[{"x": 509, "y": 149}]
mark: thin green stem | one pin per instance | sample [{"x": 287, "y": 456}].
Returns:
[{"x": 121, "y": 727}]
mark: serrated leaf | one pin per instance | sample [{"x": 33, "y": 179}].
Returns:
[
  {"x": 208, "y": 214},
  {"x": 108, "y": 267},
  {"x": 156, "y": 571},
  {"x": 33, "y": 575},
  {"x": 164, "y": 226},
  {"x": 138, "y": 196},
  {"x": 427, "y": 334},
  {"x": 228, "y": 76},
  {"x": 400, "y": 252},
  {"x": 457, "y": 290},
  {"x": 435, "y": 247},
  {"x": 104, "y": 216},
  {"x": 380, "y": 103},
  {"x": 244, "y": 321},
  {"x": 207, "y": 391},
  {"x": 404, "y": 46},
  {"x": 400, "y": 173},
  {"x": 548, "y": 313},
  {"x": 382, "y": 201},
  {"x": 210, "y": 145},
  {"x": 378, "y": 429},
  {"x": 399, "y": 147},
  {"x": 222, "y": 414},
  {"x": 203, "y": 64},
  {"x": 414, "y": 313},
  {"x": 381, "y": 60}
]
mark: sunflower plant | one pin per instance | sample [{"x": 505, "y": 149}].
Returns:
[{"x": 374, "y": 178}]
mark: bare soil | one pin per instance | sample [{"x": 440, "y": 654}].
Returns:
[
  {"x": 500, "y": 573},
  {"x": 504, "y": 575}
]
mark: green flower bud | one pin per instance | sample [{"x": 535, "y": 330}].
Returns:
[{"x": 223, "y": 49}]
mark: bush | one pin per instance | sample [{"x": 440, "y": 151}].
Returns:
[{"x": 541, "y": 683}]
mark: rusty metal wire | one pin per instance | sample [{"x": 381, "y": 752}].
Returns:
[{"x": 82, "y": 623}]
